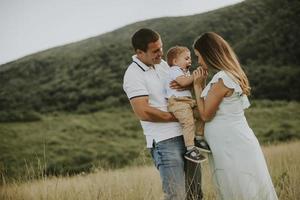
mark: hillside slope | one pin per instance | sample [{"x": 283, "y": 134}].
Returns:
[
  {"x": 86, "y": 76},
  {"x": 64, "y": 143}
]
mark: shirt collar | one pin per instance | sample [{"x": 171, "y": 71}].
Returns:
[{"x": 135, "y": 59}]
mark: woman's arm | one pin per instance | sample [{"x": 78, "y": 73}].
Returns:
[{"x": 208, "y": 107}]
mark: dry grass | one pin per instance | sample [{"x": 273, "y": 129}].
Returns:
[{"x": 144, "y": 183}]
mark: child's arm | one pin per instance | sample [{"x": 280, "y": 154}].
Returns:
[{"x": 184, "y": 80}]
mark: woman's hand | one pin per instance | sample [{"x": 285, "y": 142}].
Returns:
[{"x": 200, "y": 76}]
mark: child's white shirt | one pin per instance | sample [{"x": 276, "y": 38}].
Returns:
[{"x": 174, "y": 72}]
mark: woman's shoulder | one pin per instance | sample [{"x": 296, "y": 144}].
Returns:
[
  {"x": 230, "y": 83},
  {"x": 221, "y": 75},
  {"x": 227, "y": 81}
]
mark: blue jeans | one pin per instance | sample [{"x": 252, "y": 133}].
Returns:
[{"x": 169, "y": 160}]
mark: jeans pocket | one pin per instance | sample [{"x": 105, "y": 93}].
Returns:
[{"x": 155, "y": 156}]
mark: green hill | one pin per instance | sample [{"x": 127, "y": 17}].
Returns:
[
  {"x": 86, "y": 76},
  {"x": 64, "y": 143}
]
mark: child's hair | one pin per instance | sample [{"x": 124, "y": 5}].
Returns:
[
  {"x": 217, "y": 53},
  {"x": 174, "y": 52}
]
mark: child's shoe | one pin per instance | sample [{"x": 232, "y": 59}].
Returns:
[
  {"x": 194, "y": 155},
  {"x": 202, "y": 145}
]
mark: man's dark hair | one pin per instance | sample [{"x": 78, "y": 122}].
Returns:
[{"x": 143, "y": 37}]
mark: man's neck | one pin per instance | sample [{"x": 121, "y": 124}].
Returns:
[{"x": 149, "y": 65}]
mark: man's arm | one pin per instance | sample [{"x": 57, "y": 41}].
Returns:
[{"x": 145, "y": 112}]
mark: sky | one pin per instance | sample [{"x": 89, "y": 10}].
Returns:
[{"x": 29, "y": 26}]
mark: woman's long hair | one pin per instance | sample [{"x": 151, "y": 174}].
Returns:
[{"x": 217, "y": 53}]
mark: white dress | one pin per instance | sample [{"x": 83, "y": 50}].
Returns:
[{"x": 238, "y": 165}]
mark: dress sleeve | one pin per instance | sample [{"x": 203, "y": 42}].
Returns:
[{"x": 229, "y": 83}]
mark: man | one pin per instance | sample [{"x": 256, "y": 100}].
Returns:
[{"x": 144, "y": 86}]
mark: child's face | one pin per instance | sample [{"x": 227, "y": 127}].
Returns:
[{"x": 184, "y": 60}]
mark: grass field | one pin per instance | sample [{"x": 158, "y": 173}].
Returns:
[
  {"x": 66, "y": 144},
  {"x": 135, "y": 183}
]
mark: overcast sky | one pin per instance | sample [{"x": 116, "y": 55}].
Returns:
[{"x": 28, "y": 26}]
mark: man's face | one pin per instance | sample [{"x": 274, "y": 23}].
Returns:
[{"x": 153, "y": 55}]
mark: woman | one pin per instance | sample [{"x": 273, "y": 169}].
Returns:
[{"x": 239, "y": 168}]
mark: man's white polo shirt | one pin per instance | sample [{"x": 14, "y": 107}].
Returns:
[{"x": 141, "y": 80}]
